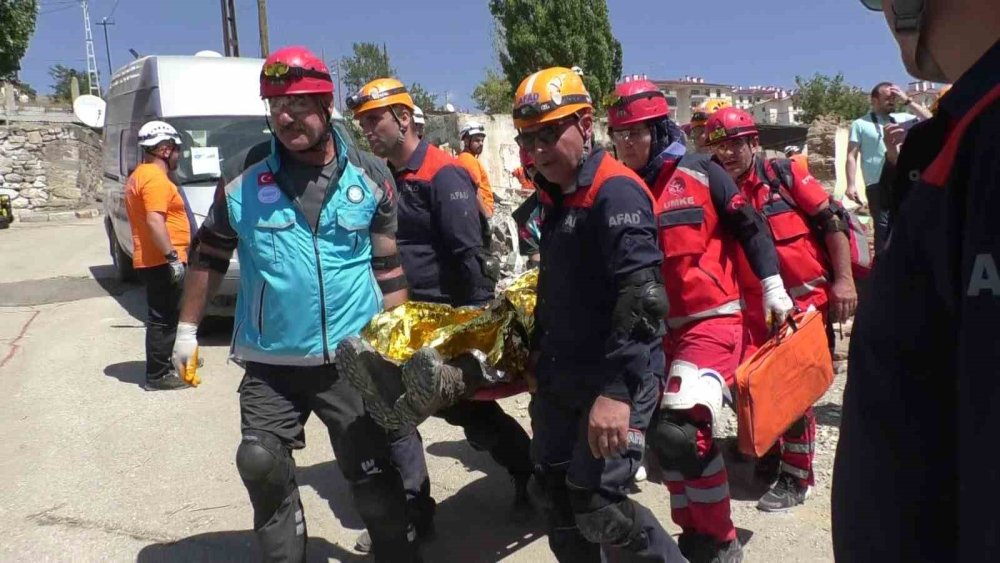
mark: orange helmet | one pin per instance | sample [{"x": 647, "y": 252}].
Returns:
[
  {"x": 379, "y": 93},
  {"x": 549, "y": 95}
]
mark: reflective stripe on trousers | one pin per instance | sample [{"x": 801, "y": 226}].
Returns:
[{"x": 702, "y": 505}]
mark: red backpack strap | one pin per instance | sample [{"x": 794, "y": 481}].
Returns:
[{"x": 938, "y": 172}]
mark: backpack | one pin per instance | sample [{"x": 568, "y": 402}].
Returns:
[{"x": 861, "y": 255}]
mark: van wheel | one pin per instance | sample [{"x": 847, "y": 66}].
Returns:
[{"x": 121, "y": 260}]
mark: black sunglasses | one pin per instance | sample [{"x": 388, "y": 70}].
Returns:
[{"x": 547, "y": 136}]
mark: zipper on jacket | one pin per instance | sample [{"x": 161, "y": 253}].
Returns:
[
  {"x": 260, "y": 310},
  {"x": 713, "y": 278}
]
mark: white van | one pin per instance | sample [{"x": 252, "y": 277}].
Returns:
[{"x": 214, "y": 103}]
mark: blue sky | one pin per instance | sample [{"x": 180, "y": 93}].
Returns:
[{"x": 446, "y": 46}]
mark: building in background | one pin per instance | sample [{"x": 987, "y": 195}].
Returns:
[
  {"x": 689, "y": 92},
  {"x": 923, "y": 92}
]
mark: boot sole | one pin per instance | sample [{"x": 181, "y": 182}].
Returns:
[
  {"x": 352, "y": 365},
  {"x": 425, "y": 389}
]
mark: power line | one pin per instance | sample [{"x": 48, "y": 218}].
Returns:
[{"x": 113, "y": 8}]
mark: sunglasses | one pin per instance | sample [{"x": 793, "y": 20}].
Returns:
[
  {"x": 874, "y": 5},
  {"x": 294, "y": 104},
  {"x": 281, "y": 72},
  {"x": 356, "y": 100},
  {"x": 533, "y": 110},
  {"x": 546, "y": 136},
  {"x": 633, "y": 133}
]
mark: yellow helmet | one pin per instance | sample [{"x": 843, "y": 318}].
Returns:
[
  {"x": 549, "y": 95},
  {"x": 379, "y": 93}
]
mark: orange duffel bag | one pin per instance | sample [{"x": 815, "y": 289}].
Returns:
[{"x": 785, "y": 377}]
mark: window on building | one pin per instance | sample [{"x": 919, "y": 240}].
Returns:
[{"x": 695, "y": 92}]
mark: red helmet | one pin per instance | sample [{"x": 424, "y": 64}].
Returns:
[
  {"x": 729, "y": 123},
  {"x": 294, "y": 70},
  {"x": 526, "y": 159},
  {"x": 636, "y": 101}
]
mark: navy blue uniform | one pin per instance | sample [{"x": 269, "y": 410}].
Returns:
[
  {"x": 440, "y": 233},
  {"x": 915, "y": 477},
  {"x": 592, "y": 239}
]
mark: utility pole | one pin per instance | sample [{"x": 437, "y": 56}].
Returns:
[
  {"x": 262, "y": 23},
  {"x": 93, "y": 77},
  {"x": 229, "y": 36},
  {"x": 340, "y": 94},
  {"x": 107, "y": 44}
]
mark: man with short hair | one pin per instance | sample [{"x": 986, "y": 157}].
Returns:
[
  {"x": 867, "y": 141},
  {"x": 161, "y": 233}
]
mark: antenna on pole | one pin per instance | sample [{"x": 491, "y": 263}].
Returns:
[
  {"x": 93, "y": 76},
  {"x": 105, "y": 22}
]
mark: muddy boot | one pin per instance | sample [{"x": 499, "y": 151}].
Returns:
[
  {"x": 378, "y": 380},
  {"x": 431, "y": 385}
]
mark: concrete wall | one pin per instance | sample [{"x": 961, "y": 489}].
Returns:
[{"x": 49, "y": 167}]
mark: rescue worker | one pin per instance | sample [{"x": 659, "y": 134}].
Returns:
[
  {"x": 703, "y": 221},
  {"x": 161, "y": 233},
  {"x": 527, "y": 216},
  {"x": 473, "y": 137},
  {"x": 525, "y": 172},
  {"x": 598, "y": 325},
  {"x": 920, "y": 401},
  {"x": 418, "y": 121},
  {"x": 441, "y": 246},
  {"x": 696, "y": 131},
  {"x": 315, "y": 238},
  {"x": 810, "y": 233}
]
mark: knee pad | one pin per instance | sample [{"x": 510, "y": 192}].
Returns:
[
  {"x": 675, "y": 442},
  {"x": 262, "y": 459},
  {"x": 607, "y": 523},
  {"x": 556, "y": 501},
  {"x": 689, "y": 386}
]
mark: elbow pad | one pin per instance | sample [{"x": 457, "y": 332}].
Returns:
[
  {"x": 641, "y": 306},
  {"x": 831, "y": 220}
]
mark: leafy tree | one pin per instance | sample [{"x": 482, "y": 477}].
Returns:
[
  {"x": 17, "y": 20},
  {"x": 494, "y": 94},
  {"x": 535, "y": 34},
  {"x": 63, "y": 76},
  {"x": 424, "y": 99},
  {"x": 369, "y": 61},
  {"x": 823, "y": 95}
]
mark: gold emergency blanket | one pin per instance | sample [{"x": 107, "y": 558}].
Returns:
[{"x": 499, "y": 330}]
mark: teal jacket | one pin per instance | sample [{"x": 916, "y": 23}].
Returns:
[{"x": 301, "y": 292}]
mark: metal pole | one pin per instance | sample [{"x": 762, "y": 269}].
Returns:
[
  {"x": 262, "y": 23},
  {"x": 232, "y": 29},
  {"x": 225, "y": 29},
  {"x": 340, "y": 95},
  {"x": 107, "y": 44}
]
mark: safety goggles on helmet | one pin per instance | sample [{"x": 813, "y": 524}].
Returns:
[
  {"x": 538, "y": 109},
  {"x": 874, "y": 5},
  {"x": 356, "y": 100},
  {"x": 623, "y": 101},
  {"x": 281, "y": 72},
  {"x": 546, "y": 135}
]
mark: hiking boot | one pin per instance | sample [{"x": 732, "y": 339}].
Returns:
[
  {"x": 168, "y": 382},
  {"x": 363, "y": 544},
  {"x": 378, "y": 380},
  {"x": 786, "y": 493},
  {"x": 700, "y": 548},
  {"x": 430, "y": 384}
]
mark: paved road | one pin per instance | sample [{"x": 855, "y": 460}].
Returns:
[{"x": 94, "y": 468}]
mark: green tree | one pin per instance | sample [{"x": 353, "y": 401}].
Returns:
[
  {"x": 494, "y": 94},
  {"x": 535, "y": 34},
  {"x": 63, "y": 76},
  {"x": 823, "y": 95},
  {"x": 17, "y": 20},
  {"x": 369, "y": 61},
  {"x": 424, "y": 99}
]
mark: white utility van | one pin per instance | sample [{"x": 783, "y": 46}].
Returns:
[{"x": 214, "y": 103}]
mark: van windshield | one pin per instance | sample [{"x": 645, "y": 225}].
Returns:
[{"x": 209, "y": 141}]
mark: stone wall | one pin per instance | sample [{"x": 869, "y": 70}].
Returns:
[{"x": 46, "y": 167}]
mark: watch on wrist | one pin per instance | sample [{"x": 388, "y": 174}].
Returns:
[{"x": 172, "y": 256}]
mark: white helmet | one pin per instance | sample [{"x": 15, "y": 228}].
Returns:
[
  {"x": 687, "y": 386},
  {"x": 155, "y": 132},
  {"x": 473, "y": 128},
  {"x": 792, "y": 149},
  {"x": 418, "y": 115}
]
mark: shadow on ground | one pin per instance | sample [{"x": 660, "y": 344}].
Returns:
[
  {"x": 828, "y": 414},
  {"x": 235, "y": 546},
  {"x": 133, "y": 372},
  {"x": 474, "y": 524},
  {"x": 129, "y": 295}
]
